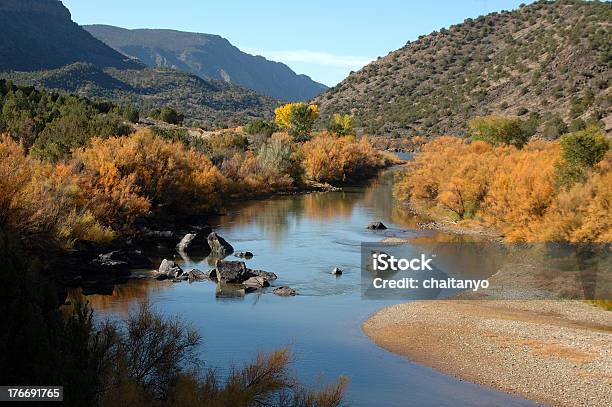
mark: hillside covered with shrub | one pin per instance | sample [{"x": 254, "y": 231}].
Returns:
[{"x": 547, "y": 61}]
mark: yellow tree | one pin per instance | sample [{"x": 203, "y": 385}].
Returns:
[{"x": 297, "y": 119}]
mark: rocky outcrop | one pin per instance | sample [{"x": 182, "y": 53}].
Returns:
[
  {"x": 218, "y": 245},
  {"x": 231, "y": 272},
  {"x": 168, "y": 269},
  {"x": 194, "y": 242}
]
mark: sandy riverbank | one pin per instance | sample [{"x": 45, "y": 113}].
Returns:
[{"x": 554, "y": 352}]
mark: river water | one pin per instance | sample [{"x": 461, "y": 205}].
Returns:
[{"x": 301, "y": 238}]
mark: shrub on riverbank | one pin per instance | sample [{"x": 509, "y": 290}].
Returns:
[
  {"x": 332, "y": 159},
  {"x": 517, "y": 192},
  {"x": 104, "y": 187}
]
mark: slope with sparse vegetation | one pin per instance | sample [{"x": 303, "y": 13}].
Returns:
[{"x": 548, "y": 61}]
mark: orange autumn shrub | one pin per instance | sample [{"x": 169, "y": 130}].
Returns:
[
  {"x": 332, "y": 159},
  {"x": 522, "y": 190},
  {"x": 40, "y": 206},
  {"x": 247, "y": 176},
  {"x": 514, "y": 191},
  {"x": 582, "y": 213},
  {"x": 437, "y": 175},
  {"x": 126, "y": 177}
]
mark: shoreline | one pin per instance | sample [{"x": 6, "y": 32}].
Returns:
[{"x": 554, "y": 352}]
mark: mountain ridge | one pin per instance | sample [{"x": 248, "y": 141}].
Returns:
[
  {"x": 548, "y": 61},
  {"x": 48, "y": 39},
  {"x": 209, "y": 56}
]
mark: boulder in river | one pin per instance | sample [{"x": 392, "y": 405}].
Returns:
[
  {"x": 284, "y": 291},
  {"x": 110, "y": 267},
  {"x": 336, "y": 271},
  {"x": 219, "y": 245},
  {"x": 195, "y": 275},
  {"x": 245, "y": 255},
  {"x": 231, "y": 272},
  {"x": 256, "y": 282},
  {"x": 377, "y": 226},
  {"x": 169, "y": 269},
  {"x": 267, "y": 275},
  {"x": 193, "y": 242},
  {"x": 134, "y": 258}
]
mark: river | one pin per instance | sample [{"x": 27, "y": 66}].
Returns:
[{"x": 301, "y": 238}]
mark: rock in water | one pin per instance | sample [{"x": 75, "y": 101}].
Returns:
[
  {"x": 193, "y": 241},
  {"x": 284, "y": 291},
  {"x": 134, "y": 258},
  {"x": 231, "y": 272},
  {"x": 377, "y": 226},
  {"x": 256, "y": 282},
  {"x": 195, "y": 275},
  {"x": 169, "y": 269},
  {"x": 219, "y": 245},
  {"x": 246, "y": 255},
  {"x": 267, "y": 275},
  {"x": 111, "y": 267},
  {"x": 336, "y": 271}
]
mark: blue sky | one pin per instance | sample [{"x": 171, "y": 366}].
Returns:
[{"x": 323, "y": 39}]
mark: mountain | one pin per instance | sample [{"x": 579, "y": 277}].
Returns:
[
  {"x": 39, "y": 34},
  {"x": 42, "y": 46},
  {"x": 209, "y": 103},
  {"x": 548, "y": 61},
  {"x": 210, "y": 57}
]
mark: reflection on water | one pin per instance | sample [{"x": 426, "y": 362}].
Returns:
[{"x": 302, "y": 238}]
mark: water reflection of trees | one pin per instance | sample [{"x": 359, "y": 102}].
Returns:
[
  {"x": 125, "y": 295},
  {"x": 274, "y": 217}
]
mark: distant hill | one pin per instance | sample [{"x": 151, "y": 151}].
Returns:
[
  {"x": 42, "y": 46},
  {"x": 549, "y": 61},
  {"x": 211, "y": 104},
  {"x": 39, "y": 34},
  {"x": 211, "y": 57}
]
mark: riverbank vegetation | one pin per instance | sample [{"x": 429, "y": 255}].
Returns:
[
  {"x": 527, "y": 191},
  {"x": 74, "y": 170}
]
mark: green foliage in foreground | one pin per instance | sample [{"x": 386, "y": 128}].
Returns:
[{"x": 52, "y": 124}]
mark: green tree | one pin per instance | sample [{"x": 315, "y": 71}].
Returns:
[
  {"x": 297, "y": 119},
  {"x": 581, "y": 150},
  {"x": 169, "y": 115},
  {"x": 341, "y": 124},
  {"x": 584, "y": 148},
  {"x": 498, "y": 130}
]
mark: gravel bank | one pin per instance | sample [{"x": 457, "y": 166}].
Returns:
[{"x": 554, "y": 352}]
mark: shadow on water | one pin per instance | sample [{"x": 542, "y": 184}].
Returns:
[{"x": 301, "y": 238}]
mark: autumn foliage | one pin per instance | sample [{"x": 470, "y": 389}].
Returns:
[
  {"x": 103, "y": 188},
  {"x": 515, "y": 191},
  {"x": 297, "y": 119},
  {"x": 332, "y": 159}
]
